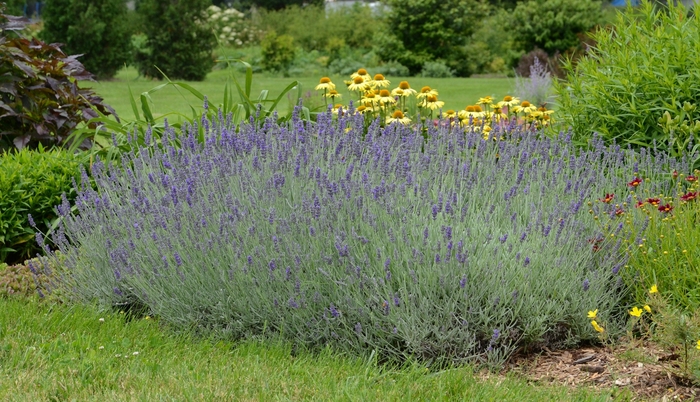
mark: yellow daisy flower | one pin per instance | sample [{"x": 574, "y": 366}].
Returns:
[
  {"x": 486, "y": 100},
  {"x": 525, "y": 107},
  {"x": 431, "y": 102},
  {"x": 333, "y": 94},
  {"x": 385, "y": 97},
  {"x": 450, "y": 114},
  {"x": 358, "y": 84},
  {"x": 698, "y": 347},
  {"x": 361, "y": 73},
  {"x": 379, "y": 81},
  {"x": 653, "y": 289},
  {"x": 404, "y": 88},
  {"x": 398, "y": 116},
  {"x": 647, "y": 308},
  {"x": 509, "y": 101},
  {"x": 325, "y": 84},
  {"x": 425, "y": 92},
  {"x": 370, "y": 99},
  {"x": 593, "y": 314},
  {"x": 597, "y": 327},
  {"x": 636, "y": 312},
  {"x": 362, "y": 109}
]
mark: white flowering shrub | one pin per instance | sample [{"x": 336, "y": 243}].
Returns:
[{"x": 230, "y": 26}]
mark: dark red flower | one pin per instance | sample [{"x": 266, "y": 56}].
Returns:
[
  {"x": 634, "y": 183},
  {"x": 596, "y": 243},
  {"x": 691, "y": 178},
  {"x": 654, "y": 201},
  {"x": 666, "y": 208},
  {"x": 608, "y": 198},
  {"x": 689, "y": 196},
  {"x": 619, "y": 212},
  {"x": 675, "y": 174},
  {"x": 639, "y": 204}
]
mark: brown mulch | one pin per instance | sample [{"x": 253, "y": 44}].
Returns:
[{"x": 643, "y": 368}]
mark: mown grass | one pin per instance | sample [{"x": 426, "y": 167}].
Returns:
[
  {"x": 455, "y": 92},
  {"x": 56, "y": 352}
]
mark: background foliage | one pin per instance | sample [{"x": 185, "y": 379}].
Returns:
[
  {"x": 179, "y": 42},
  {"x": 640, "y": 85},
  {"x": 97, "y": 29}
]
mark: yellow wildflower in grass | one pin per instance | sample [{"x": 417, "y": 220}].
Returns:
[
  {"x": 698, "y": 345},
  {"x": 431, "y": 102},
  {"x": 647, "y": 308},
  {"x": 593, "y": 314},
  {"x": 379, "y": 81},
  {"x": 425, "y": 92},
  {"x": 597, "y": 327},
  {"x": 399, "y": 117},
  {"x": 385, "y": 97},
  {"x": 325, "y": 84},
  {"x": 636, "y": 312},
  {"x": 653, "y": 289}
]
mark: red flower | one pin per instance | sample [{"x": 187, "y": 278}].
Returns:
[
  {"x": 691, "y": 178},
  {"x": 596, "y": 243},
  {"x": 619, "y": 212},
  {"x": 666, "y": 208},
  {"x": 634, "y": 183},
  {"x": 675, "y": 174},
  {"x": 654, "y": 201},
  {"x": 640, "y": 204},
  {"x": 689, "y": 196},
  {"x": 608, "y": 198}
]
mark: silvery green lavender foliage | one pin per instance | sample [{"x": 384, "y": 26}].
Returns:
[
  {"x": 536, "y": 88},
  {"x": 447, "y": 249}
]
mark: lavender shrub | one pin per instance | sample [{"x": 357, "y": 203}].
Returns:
[
  {"x": 537, "y": 87},
  {"x": 452, "y": 248}
]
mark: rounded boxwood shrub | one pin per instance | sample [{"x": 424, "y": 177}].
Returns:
[
  {"x": 32, "y": 182},
  {"x": 640, "y": 84}
]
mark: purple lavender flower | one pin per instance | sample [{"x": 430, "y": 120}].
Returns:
[
  {"x": 358, "y": 329},
  {"x": 435, "y": 211},
  {"x": 397, "y": 301},
  {"x": 292, "y": 303},
  {"x": 586, "y": 284},
  {"x": 463, "y": 281},
  {"x": 334, "y": 311},
  {"x": 526, "y": 262},
  {"x": 385, "y": 307}
]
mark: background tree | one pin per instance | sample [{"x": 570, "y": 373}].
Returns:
[
  {"x": 97, "y": 29},
  {"x": 179, "y": 42},
  {"x": 554, "y": 25},
  {"x": 271, "y": 4},
  {"x": 421, "y": 31}
]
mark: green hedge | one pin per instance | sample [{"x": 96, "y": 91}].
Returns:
[{"x": 31, "y": 182}]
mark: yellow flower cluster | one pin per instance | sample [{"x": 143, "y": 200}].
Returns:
[{"x": 396, "y": 105}]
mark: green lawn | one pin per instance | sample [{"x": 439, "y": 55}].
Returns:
[
  {"x": 455, "y": 92},
  {"x": 55, "y": 352}
]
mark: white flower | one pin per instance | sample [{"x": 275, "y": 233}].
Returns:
[
  {"x": 101, "y": 347},
  {"x": 224, "y": 19},
  {"x": 135, "y": 353},
  {"x": 226, "y": 29},
  {"x": 102, "y": 320},
  {"x": 215, "y": 17},
  {"x": 213, "y": 9}
]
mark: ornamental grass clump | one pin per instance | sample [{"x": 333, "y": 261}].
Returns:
[{"x": 452, "y": 248}]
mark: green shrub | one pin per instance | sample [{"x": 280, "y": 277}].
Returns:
[
  {"x": 420, "y": 31},
  {"x": 97, "y": 29},
  {"x": 180, "y": 43},
  {"x": 644, "y": 67},
  {"x": 315, "y": 29},
  {"x": 277, "y": 52},
  {"x": 28, "y": 278},
  {"x": 15, "y": 7},
  {"x": 491, "y": 43},
  {"x": 436, "y": 69},
  {"x": 31, "y": 182},
  {"x": 40, "y": 100},
  {"x": 554, "y": 25}
]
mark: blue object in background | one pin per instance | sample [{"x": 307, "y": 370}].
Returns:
[{"x": 623, "y": 3}]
